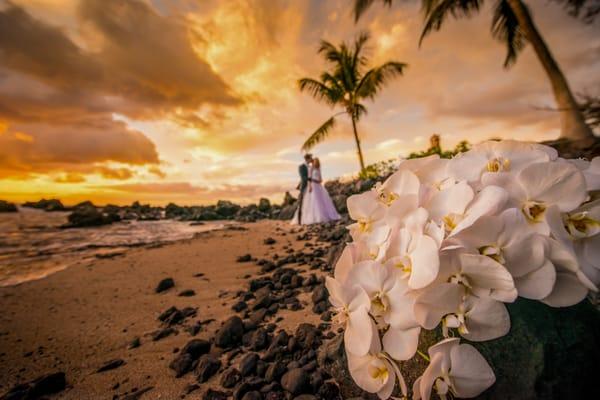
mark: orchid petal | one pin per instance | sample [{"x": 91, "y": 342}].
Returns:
[
  {"x": 538, "y": 284},
  {"x": 437, "y": 301},
  {"x": 401, "y": 344},
  {"x": 470, "y": 372}
]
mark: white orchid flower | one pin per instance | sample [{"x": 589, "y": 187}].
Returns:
[
  {"x": 431, "y": 170},
  {"x": 590, "y": 170},
  {"x": 538, "y": 187},
  {"x": 352, "y": 305},
  {"x": 475, "y": 318},
  {"x": 400, "y": 184},
  {"x": 414, "y": 254},
  {"x": 455, "y": 369},
  {"x": 375, "y": 372},
  {"x": 367, "y": 211},
  {"x": 507, "y": 156},
  {"x": 579, "y": 231},
  {"x": 391, "y": 306},
  {"x": 572, "y": 285}
]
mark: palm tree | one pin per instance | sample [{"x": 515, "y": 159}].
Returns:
[
  {"x": 346, "y": 85},
  {"x": 512, "y": 24}
]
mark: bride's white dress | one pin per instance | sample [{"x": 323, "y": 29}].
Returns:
[{"x": 317, "y": 205}]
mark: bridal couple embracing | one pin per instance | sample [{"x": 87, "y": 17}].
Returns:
[{"x": 314, "y": 203}]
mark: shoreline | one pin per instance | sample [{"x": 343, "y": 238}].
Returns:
[{"x": 80, "y": 318}]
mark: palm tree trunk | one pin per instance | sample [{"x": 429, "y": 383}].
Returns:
[
  {"x": 573, "y": 125},
  {"x": 357, "y": 140}
]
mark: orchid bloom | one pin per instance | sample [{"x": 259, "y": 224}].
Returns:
[
  {"x": 391, "y": 306},
  {"x": 413, "y": 253},
  {"x": 507, "y": 156},
  {"x": 400, "y": 184},
  {"x": 579, "y": 230},
  {"x": 366, "y": 210},
  {"x": 456, "y": 369},
  {"x": 376, "y": 372},
  {"x": 538, "y": 187},
  {"x": 352, "y": 305}
]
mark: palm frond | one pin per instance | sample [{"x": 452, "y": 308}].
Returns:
[
  {"x": 378, "y": 77},
  {"x": 329, "y": 51},
  {"x": 436, "y": 11},
  {"x": 359, "y": 111},
  {"x": 360, "y": 6},
  {"x": 318, "y": 90},
  {"x": 505, "y": 28},
  {"x": 358, "y": 58},
  {"x": 319, "y": 135}
]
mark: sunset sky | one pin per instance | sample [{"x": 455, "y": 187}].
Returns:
[{"x": 196, "y": 100}]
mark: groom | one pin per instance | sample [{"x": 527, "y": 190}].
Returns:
[{"x": 304, "y": 179}]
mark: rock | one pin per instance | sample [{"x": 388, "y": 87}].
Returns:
[
  {"x": 207, "y": 367},
  {"x": 287, "y": 212},
  {"x": 215, "y": 395},
  {"x": 135, "y": 343},
  {"x": 307, "y": 336},
  {"x": 46, "y": 205},
  {"x": 248, "y": 364},
  {"x": 288, "y": 199},
  {"x": 329, "y": 391},
  {"x": 182, "y": 364},
  {"x": 165, "y": 284},
  {"x": 230, "y": 377},
  {"x": 319, "y": 294},
  {"x": 89, "y": 216},
  {"x": 162, "y": 333},
  {"x": 231, "y": 333},
  {"x": 269, "y": 241},
  {"x": 112, "y": 364},
  {"x": 239, "y": 306},
  {"x": 226, "y": 209},
  {"x": 340, "y": 202},
  {"x": 38, "y": 388},
  {"x": 264, "y": 205},
  {"x": 259, "y": 340},
  {"x": 6, "y": 207},
  {"x": 244, "y": 258},
  {"x": 253, "y": 395},
  {"x": 196, "y": 347},
  {"x": 275, "y": 371},
  {"x": 295, "y": 381},
  {"x": 187, "y": 293},
  {"x": 305, "y": 397}
]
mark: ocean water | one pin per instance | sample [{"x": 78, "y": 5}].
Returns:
[{"x": 32, "y": 244}]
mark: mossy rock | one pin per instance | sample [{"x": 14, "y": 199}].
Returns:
[{"x": 549, "y": 353}]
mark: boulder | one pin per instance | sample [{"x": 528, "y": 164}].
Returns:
[
  {"x": 288, "y": 199},
  {"x": 165, "y": 284},
  {"x": 550, "y": 353},
  {"x": 264, "y": 205},
  {"x": 5, "y": 206},
  {"x": 46, "y": 205},
  {"x": 88, "y": 215},
  {"x": 38, "y": 388},
  {"x": 231, "y": 333},
  {"x": 226, "y": 209},
  {"x": 296, "y": 381}
]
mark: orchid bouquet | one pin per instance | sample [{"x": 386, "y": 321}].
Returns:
[{"x": 448, "y": 242}]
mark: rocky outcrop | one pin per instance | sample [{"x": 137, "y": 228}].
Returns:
[
  {"x": 88, "y": 215},
  {"x": 5, "y": 207},
  {"x": 46, "y": 205}
]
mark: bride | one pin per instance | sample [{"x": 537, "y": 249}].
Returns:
[{"x": 316, "y": 203}]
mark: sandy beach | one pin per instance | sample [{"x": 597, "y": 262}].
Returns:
[{"x": 77, "y": 320}]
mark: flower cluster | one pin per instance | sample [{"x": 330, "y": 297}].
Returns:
[{"x": 446, "y": 243}]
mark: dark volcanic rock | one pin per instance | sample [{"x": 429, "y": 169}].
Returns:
[
  {"x": 165, "y": 284},
  {"x": 275, "y": 371},
  {"x": 196, "y": 347},
  {"x": 182, "y": 364},
  {"x": 5, "y": 206},
  {"x": 135, "y": 343},
  {"x": 253, "y": 395},
  {"x": 248, "y": 364},
  {"x": 269, "y": 241},
  {"x": 296, "y": 381},
  {"x": 187, "y": 293},
  {"x": 239, "y": 306},
  {"x": 244, "y": 258},
  {"x": 46, "y": 205},
  {"x": 89, "y": 216},
  {"x": 38, "y": 388},
  {"x": 215, "y": 395},
  {"x": 230, "y": 377},
  {"x": 264, "y": 205},
  {"x": 207, "y": 367},
  {"x": 231, "y": 333},
  {"x": 319, "y": 294},
  {"x": 112, "y": 364},
  {"x": 162, "y": 333}
]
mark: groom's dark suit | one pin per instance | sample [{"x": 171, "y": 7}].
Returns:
[{"x": 303, "y": 171}]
